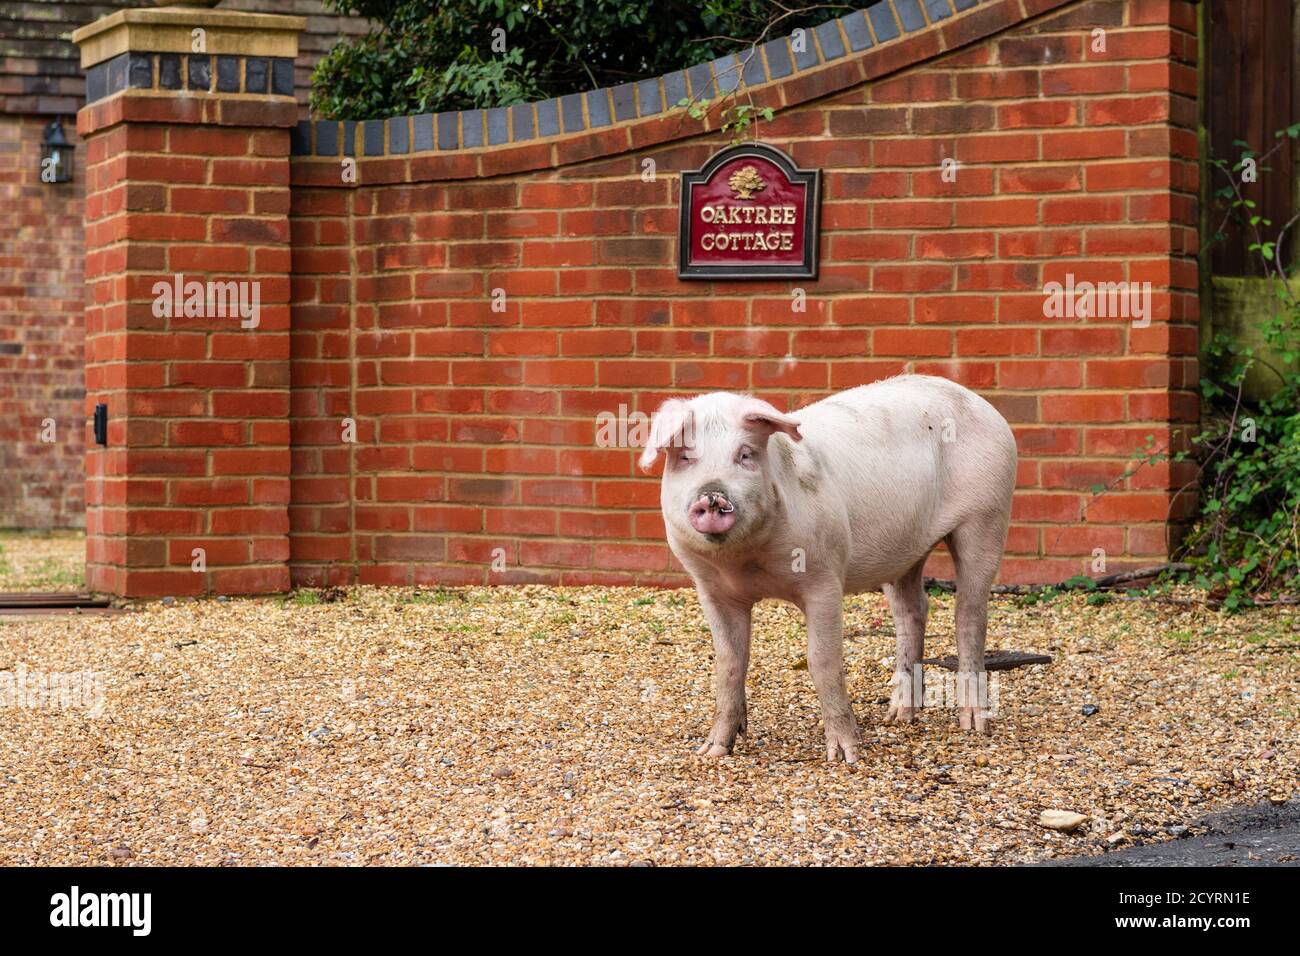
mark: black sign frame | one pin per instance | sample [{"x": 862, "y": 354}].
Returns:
[{"x": 811, "y": 178}]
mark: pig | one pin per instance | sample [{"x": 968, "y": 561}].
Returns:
[{"x": 846, "y": 495}]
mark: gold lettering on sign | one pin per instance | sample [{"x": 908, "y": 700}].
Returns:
[
  {"x": 745, "y": 183},
  {"x": 747, "y": 241},
  {"x": 749, "y": 215}
]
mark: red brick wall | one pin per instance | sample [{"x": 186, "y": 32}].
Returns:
[
  {"x": 476, "y": 428},
  {"x": 41, "y": 338},
  {"x": 198, "y": 437}
]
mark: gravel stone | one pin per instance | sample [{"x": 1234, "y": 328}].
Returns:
[{"x": 595, "y": 700}]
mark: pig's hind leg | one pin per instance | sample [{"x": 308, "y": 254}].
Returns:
[
  {"x": 976, "y": 547},
  {"x": 910, "y": 608}
]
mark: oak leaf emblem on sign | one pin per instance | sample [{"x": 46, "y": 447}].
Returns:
[{"x": 745, "y": 182}]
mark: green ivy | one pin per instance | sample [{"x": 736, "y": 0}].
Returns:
[{"x": 737, "y": 117}]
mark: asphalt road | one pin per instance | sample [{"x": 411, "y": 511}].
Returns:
[{"x": 1263, "y": 835}]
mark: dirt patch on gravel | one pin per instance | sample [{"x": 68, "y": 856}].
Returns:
[{"x": 537, "y": 725}]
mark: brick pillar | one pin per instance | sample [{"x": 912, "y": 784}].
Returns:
[{"x": 187, "y": 173}]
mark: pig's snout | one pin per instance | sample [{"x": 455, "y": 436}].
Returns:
[{"x": 712, "y": 513}]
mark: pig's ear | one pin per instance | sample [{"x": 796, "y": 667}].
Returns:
[
  {"x": 758, "y": 414},
  {"x": 665, "y": 430}
]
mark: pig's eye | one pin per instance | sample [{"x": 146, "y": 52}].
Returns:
[
  {"x": 745, "y": 456},
  {"x": 686, "y": 457}
]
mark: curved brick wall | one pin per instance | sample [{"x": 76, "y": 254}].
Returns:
[{"x": 475, "y": 428}]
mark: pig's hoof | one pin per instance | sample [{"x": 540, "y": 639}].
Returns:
[
  {"x": 902, "y": 715},
  {"x": 842, "y": 745},
  {"x": 710, "y": 749},
  {"x": 903, "y": 706},
  {"x": 722, "y": 737},
  {"x": 976, "y": 719}
]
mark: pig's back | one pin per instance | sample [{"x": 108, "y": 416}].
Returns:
[{"x": 912, "y": 457}]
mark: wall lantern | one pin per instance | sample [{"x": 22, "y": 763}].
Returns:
[{"x": 56, "y": 155}]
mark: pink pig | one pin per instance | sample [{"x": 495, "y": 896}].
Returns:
[{"x": 847, "y": 495}]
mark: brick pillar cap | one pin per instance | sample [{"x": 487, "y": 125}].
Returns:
[{"x": 169, "y": 29}]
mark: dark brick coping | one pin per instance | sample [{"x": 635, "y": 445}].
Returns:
[
  {"x": 194, "y": 72},
  {"x": 886, "y": 24}
]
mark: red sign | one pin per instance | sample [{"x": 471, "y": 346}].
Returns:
[{"x": 749, "y": 213}]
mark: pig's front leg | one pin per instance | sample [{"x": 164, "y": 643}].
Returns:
[
  {"x": 730, "y": 623},
  {"x": 825, "y": 614}
]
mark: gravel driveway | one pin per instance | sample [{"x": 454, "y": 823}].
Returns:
[{"x": 538, "y": 725}]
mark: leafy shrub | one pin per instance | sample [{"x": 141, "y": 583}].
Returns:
[
  {"x": 1244, "y": 544},
  {"x": 438, "y": 55}
]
